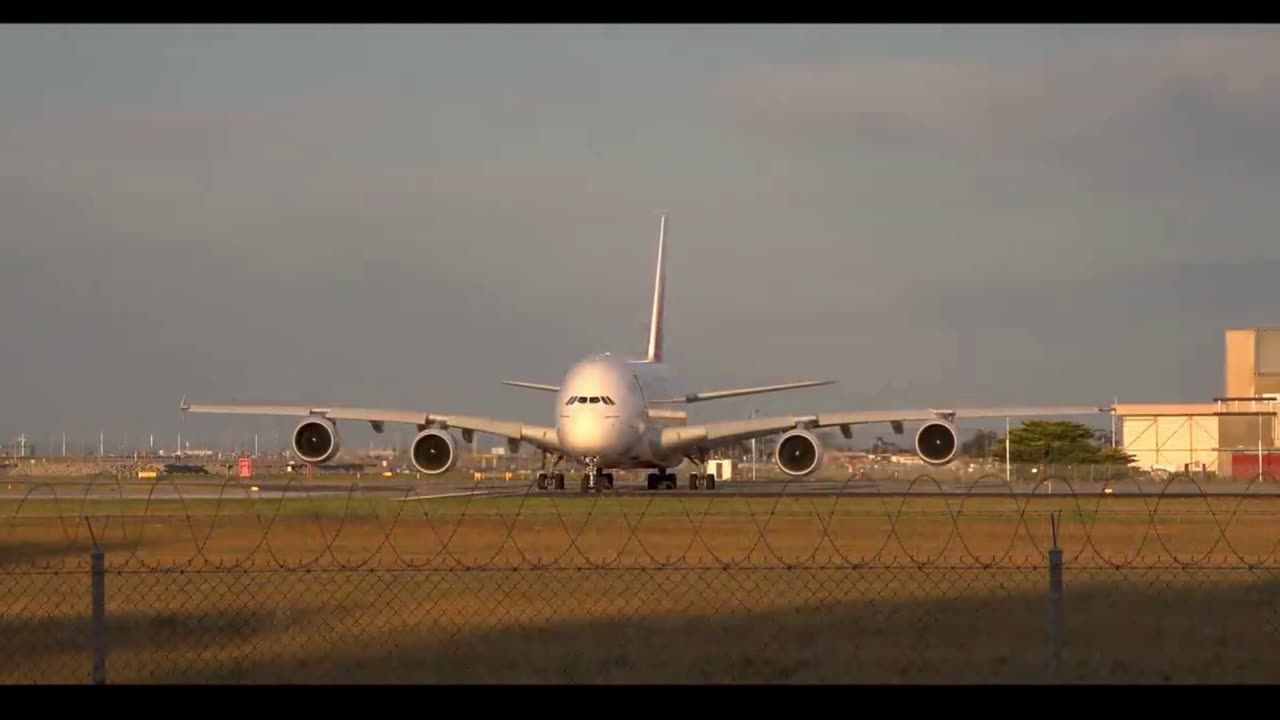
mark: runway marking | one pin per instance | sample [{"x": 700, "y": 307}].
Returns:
[{"x": 447, "y": 495}]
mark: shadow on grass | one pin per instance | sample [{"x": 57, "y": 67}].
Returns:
[
  {"x": 141, "y": 644},
  {"x": 19, "y": 555},
  {"x": 697, "y": 626}
]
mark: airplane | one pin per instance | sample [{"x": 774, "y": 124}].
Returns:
[{"x": 616, "y": 413}]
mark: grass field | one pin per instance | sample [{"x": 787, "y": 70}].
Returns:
[{"x": 643, "y": 589}]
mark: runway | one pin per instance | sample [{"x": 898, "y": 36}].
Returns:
[
  {"x": 14, "y": 489},
  {"x": 985, "y": 487}
]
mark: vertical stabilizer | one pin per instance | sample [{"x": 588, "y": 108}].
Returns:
[{"x": 659, "y": 293}]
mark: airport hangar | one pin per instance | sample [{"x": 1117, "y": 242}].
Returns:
[{"x": 1234, "y": 436}]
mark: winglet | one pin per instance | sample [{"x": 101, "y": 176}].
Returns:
[
  {"x": 659, "y": 296},
  {"x": 183, "y": 405}
]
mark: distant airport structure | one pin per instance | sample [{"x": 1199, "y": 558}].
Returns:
[{"x": 1234, "y": 435}]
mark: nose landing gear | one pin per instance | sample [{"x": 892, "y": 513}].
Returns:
[{"x": 593, "y": 479}]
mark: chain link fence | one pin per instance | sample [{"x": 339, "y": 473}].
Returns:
[{"x": 364, "y": 585}]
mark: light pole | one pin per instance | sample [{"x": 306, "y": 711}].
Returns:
[
  {"x": 1007, "y": 466},
  {"x": 754, "y": 412}
]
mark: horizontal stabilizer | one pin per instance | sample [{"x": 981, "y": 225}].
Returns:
[
  {"x": 531, "y": 386},
  {"x": 738, "y": 392}
]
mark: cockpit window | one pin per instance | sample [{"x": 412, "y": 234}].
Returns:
[{"x": 594, "y": 400}]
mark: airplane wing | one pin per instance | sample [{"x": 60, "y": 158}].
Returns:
[
  {"x": 684, "y": 438},
  {"x": 738, "y": 392},
  {"x": 543, "y": 438},
  {"x": 531, "y": 386}
]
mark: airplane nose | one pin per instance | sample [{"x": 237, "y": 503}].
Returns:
[{"x": 592, "y": 437}]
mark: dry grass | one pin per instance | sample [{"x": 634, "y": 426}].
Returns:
[{"x": 644, "y": 589}]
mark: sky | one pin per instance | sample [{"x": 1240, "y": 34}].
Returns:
[{"x": 403, "y": 216}]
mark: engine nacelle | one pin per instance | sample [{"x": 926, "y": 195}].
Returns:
[
  {"x": 433, "y": 452},
  {"x": 315, "y": 440},
  {"x": 799, "y": 453},
  {"x": 937, "y": 442}
]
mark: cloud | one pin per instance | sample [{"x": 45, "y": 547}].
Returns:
[{"x": 1190, "y": 101}]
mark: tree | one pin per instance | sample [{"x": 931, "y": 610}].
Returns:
[
  {"x": 1116, "y": 456},
  {"x": 981, "y": 445},
  {"x": 1059, "y": 442}
]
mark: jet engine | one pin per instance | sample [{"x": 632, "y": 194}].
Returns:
[
  {"x": 315, "y": 440},
  {"x": 937, "y": 442},
  {"x": 433, "y": 452},
  {"x": 799, "y": 453}
]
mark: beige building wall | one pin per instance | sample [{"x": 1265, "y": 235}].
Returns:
[
  {"x": 1176, "y": 437},
  {"x": 1252, "y": 368},
  {"x": 1240, "y": 351},
  {"x": 1252, "y": 362}
]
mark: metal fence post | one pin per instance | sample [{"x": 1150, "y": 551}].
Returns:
[
  {"x": 1055, "y": 601},
  {"x": 99, "y": 627}
]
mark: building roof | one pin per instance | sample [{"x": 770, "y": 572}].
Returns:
[{"x": 1176, "y": 409}]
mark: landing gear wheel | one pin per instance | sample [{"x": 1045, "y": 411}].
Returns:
[
  {"x": 559, "y": 480},
  {"x": 662, "y": 481},
  {"x": 604, "y": 481},
  {"x": 651, "y": 481},
  {"x": 709, "y": 481},
  {"x": 693, "y": 481},
  {"x": 542, "y": 481},
  {"x": 586, "y": 484}
]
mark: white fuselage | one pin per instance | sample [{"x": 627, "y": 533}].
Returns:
[{"x": 615, "y": 425}]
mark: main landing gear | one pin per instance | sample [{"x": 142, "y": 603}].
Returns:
[
  {"x": 702, "y": 479},
  {"x": 546, "y": 479},
  {"x": 594, "y": 480},
  {"x": 705, "y": 481},
  {"x": 667, "y": 481},
  {"x": 662, "y": 481},
  {"x": 603, "y": 481}
]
